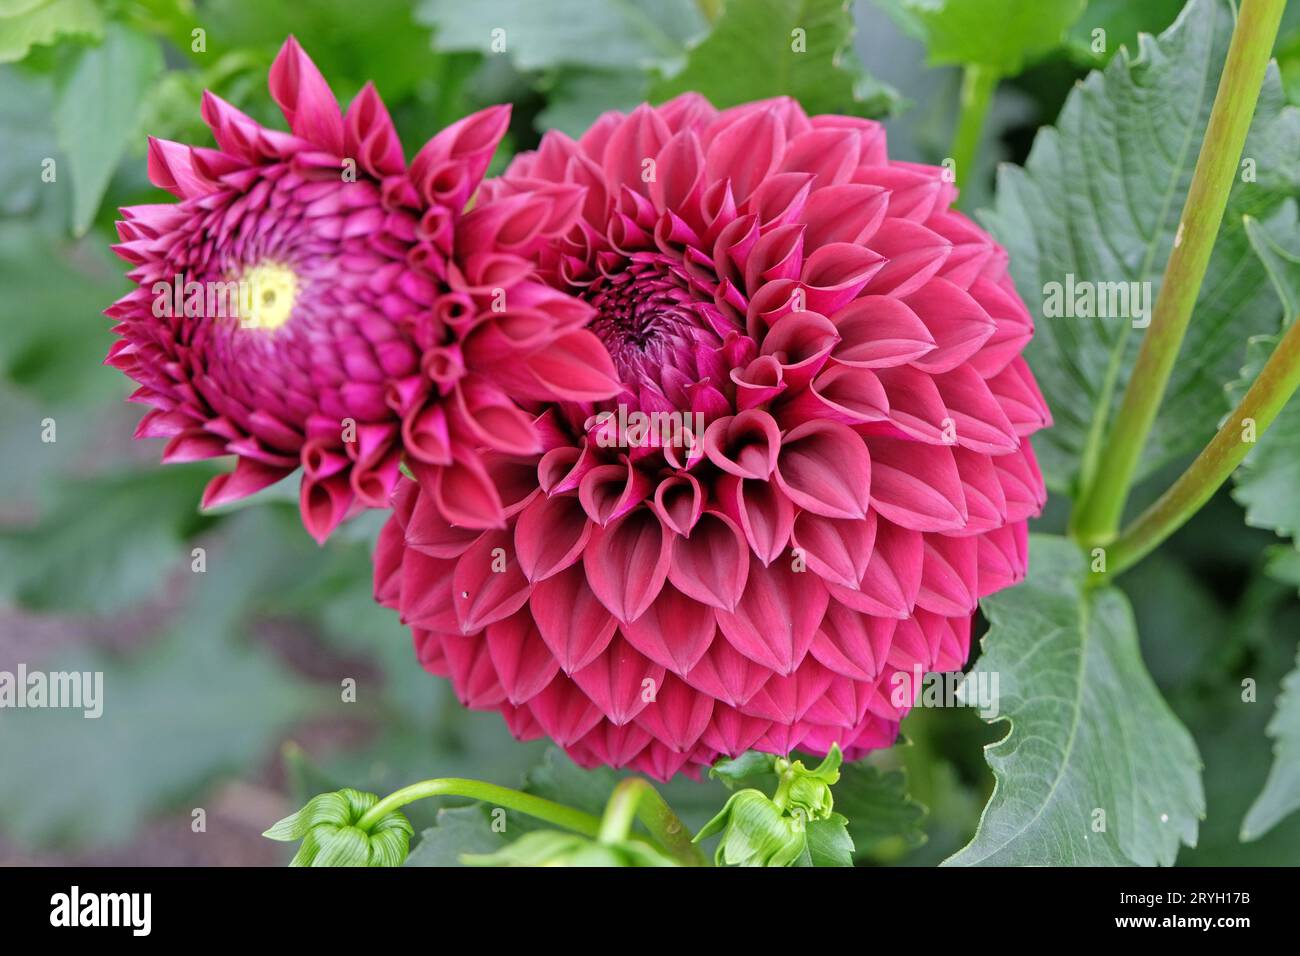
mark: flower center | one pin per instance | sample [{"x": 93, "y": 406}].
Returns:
[
  {"x": 648, "y": 320},
  {"x": 267, "y": 292}
]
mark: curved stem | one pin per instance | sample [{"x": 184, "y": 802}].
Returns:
[
  {"x": 1277, "y": 382},
  {"x": 636, "y": 797},
  {"x": 1102, "y": 503},
  {"x": 977, "y": 85},
  {"x": 551, "y": 812}
]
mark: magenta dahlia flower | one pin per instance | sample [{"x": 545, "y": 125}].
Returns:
[
  {"x": 816, "y": 465},
  {"x": 313, "y": 302}
]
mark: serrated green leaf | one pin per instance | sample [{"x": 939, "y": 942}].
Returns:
[
  {"x": 1000, "y": 34},
  {"x": 1100, "y": 198},
  {"x": 459, "y": 830},
  {"x": 575, "y": 97},
  {"x": 630, "y": 33},
  {"x": 1265, "y": 482},
  {"x": 1122, "y": 21},
  {"x": 1088, "y": 731},
  {"x": 28, "y": 23},
  {"x": 98, "y": 110},
  {"x": 878, "y": 808},
  {"x": 1281, "y": 794},
  {"x": 754, "y": 53}
]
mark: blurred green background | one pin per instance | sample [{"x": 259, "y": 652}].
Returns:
[{"x": 223, "y": 688}]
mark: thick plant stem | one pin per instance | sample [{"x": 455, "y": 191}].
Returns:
[
  {"x": 1276, "y": 383},
  {"x": 977, "y": 85},
  {"x": 551, "y": 812},
  {"x": 635, "y": 797},
  {"x": 1102, "y": 502}
]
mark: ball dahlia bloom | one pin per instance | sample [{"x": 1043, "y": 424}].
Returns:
[
  {"x": 313, "y": 302},
  {"x": 840, "y": 469}
]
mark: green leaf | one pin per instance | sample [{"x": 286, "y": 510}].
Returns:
[
  {"x": 28, "y": 23},
  {"x": 1000, "y": 34},
  {"x": 1265, "y": 482},
  {"x": 53, "y": 346},
  {"x": 1100, "y": 198},
  {"x": 829, "y": 842},
  {"x": 558, "y": 778},
  {"x": 880, "y": 811},
  {"x": 575, "y": 97},
  {"x": 764, "y": 48},
  {"x": 747, "y": 770},
  {"x": 98, "y": 110},
  {"x": 198, "y": 702},
  {"x": 1122, "y": 20},
  {"x": 458, "y": 830},
  {"x": 105, "y": 543},
  {"x": 629, "y": 33},
  {"x": 1088, "y": 730},
  {"x": 1281, "y": 795}
]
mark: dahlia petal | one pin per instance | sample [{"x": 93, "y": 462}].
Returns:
[
  {"x": 893, "y": 576},
  {"x": 304, "y": 97},
  {"x": 488, "y": 584},
  {"x": 550, "y": 535},
  {"x": 472, "y": 672},
  {"x": 711, "y": 565},
  {"x": 949, "y": 575},
  {"x": 523, "y": 661},
  {"x": 825, "y": 468},
  {"x": 678, "y": 501},
  {"x": 677, "y": 716},
  {"x": 639, "y": 137},
  {"x": 834, "y": 274},
  {"x": 776, "y": 618},
  {"x": 607, "y": 492},
  {"x": 574, "y": 625},
  {"x": 564, "y": 712},
  {"x": 801, "y": 342},
  {"x": 466, "y": 494},
  {"x": 851, "y": 643},
  {"x": 958, "y": 323},
  {"x": 425, "y": 600},
  {"x": 849, "y": 213},
  {"x": 727, "y": 675},
  {"x": 986, "y": 502},
  {"x": 835, "y": 549},
  {"x": 731, "y": 732},
  {"x": 627, "y": 563},
  {"x": 747, "y": 151},
  {"x": 1003, "y": 558},
  {"x": 675, "y": 630},
  {"x": 248, "y": 478},
  {"x": 620, "y": 681},
  {"x": 979, "y": 423},
  {"x": 765, "y": 515},
  {"x": 840, "y": 393},
  {"x": 1020, "y": 398},
  {"x": 915, "y": 255},
  {"x": 917, "y": 485},
  {"x": 744, "y": 445},
  {"x": 787, "y": 698}
]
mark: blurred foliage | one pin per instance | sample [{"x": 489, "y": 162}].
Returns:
[{"x": 236, "y": 674}]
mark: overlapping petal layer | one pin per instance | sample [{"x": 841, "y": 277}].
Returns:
[
  {"x": 816, "y": 465},
  {"x": 313, "y": 302}
]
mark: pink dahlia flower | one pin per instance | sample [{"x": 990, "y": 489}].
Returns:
[
  {"x": 840, "y": 469},
  {"x": 313, "y": 302}
]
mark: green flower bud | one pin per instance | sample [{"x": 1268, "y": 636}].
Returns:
[
  {"x": 756, "y": 832},
  {"x": 553, "y": 848},
  {"x": 804, "y": 792},
  {"x": 330, "y": 835}
]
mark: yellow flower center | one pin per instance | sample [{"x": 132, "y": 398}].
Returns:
[{"x": 266, "y": 295}]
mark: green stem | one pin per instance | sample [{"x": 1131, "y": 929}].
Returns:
[
  {"x": 634, "y": 797},
  {"x": 977, "y": 86},
  {"x": 1102, "y": 502},
  {"x": 551, "y": 812},
  {"x": 1277, "y": 382}
]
